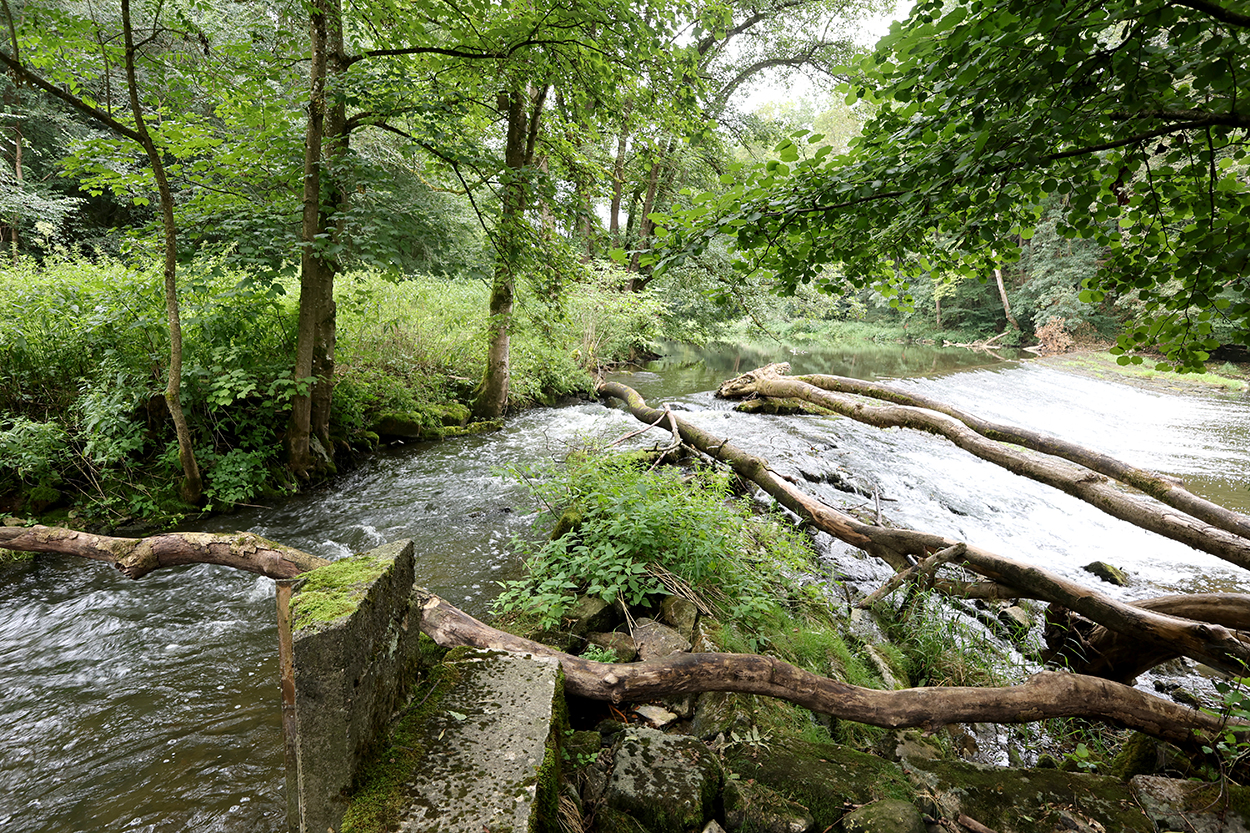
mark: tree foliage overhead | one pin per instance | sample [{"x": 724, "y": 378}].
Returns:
[{"x": 1133, "y": 114}]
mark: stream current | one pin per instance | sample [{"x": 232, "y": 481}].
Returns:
[{"x": 153, "y": 705}]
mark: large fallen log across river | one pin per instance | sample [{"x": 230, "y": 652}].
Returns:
[
  {"x": 1080, "y": 472},
  {"x": 1216, "y": 645},
  {"x": 1043, "y": 696}
]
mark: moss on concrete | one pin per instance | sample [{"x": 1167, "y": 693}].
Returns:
[
  {"x": 329, "y": 593},
  {"x": 379, "y": 798}
]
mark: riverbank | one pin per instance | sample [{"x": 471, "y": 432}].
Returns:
[
  {"x": 1098, "y": 363},
  {"x": 86, "y": 440}
]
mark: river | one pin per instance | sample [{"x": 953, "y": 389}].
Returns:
[{"x": 153, "y": 705}]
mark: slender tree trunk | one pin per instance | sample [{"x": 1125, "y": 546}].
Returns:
[
  {"x": 618, "y": 188},
  {"x": 1002, "y": 293},
  {"x": 314, "y": 350},
  {"x": 524, "y": 111},
  {"x": 192, "y": 486}
]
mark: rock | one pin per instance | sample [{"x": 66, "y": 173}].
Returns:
[
  {"x": 667, "y": 782},
  {"x": 1030, "y": 800},
  {"x": 621, "y": 643},
  {"x": 1186, "y": 698},
  {"x": 1017, "y": 619},
  {"x": 656, "y": 641},
  {"x": 657, "y": 716},
  {"x": 864, "y": 627},
  {"x": 1191, "y": 806},
  {"x": 721, "y": 713},
  {"x": 884, "y": 669},
  {"x": 681, "y": 614},
  {"x": 1104, "y": 571},
  {"x": 683, "y": 707},
  {"x": 903, "y": 745},
  {"x": 713, "y": 827},
  {"x": 756, "y": 808},
  {"x": 14, "y": 521},
  {"x": 824, "y": 777},
  {"x": 889, "y": 815},
  {"x": 591, "y": 613}
]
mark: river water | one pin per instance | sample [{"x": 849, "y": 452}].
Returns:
[{"x": 153, "y": 705}]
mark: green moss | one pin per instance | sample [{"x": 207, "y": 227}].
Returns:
[
  {"x": 378, "y": 797},
  {"x": 334, "y": 591},
  {"x": 824, "y": 777}
]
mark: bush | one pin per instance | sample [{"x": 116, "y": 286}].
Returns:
[{"x": 636, "y": 530}]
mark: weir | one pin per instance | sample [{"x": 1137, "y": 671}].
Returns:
[{"x": 478, "y": 752}]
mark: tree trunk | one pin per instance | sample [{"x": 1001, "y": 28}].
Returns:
[
  {"x": 618, "y": 188},
  {"x": 1002, "y": 293},
  {"x": 524, "y": 113},
  {"x": 1043, "y": 696},
  {"x": 1080, "y": 481},
  {"x": 192, "y": 486},
  {"x": 314, "y": 349},
  {"x": 1215, "y": 645}
]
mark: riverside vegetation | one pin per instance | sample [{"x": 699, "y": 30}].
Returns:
[
  {"x": 85, "y": 438},
  {"x": 634, "y": 543}
]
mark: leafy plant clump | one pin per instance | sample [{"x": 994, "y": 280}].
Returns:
[{"x": 630, "y": 533}]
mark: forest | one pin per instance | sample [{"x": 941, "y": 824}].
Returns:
[
  {"x": 238, "y": 237},
  {"x": 244, "y": 247}
]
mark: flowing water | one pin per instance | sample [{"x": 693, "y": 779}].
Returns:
[{"x": 153, "y": 705}]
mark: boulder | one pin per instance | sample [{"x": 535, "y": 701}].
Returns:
[
  {"x": 889, "y": 815},
  {"x": 824, "y": 777},
  {"x": 1173, "y": 804},
  {"x": 1030, "y": 800},
  {"x": 656, "y": 641},
  {"x": 1109, "y": 574},
  {"x": 621, "y": 643},
  {"x": 755, "y": 808},
  {"x": 681, "y": 614},
  {"x": 721, "y": 713},
  {"x": 667, "y": 782},
  {"x": 591, "y": 613}
]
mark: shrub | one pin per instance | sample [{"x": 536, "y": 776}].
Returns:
[{"x": 640, "y": 532}]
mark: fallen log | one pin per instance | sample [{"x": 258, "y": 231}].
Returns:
[
  {"x": 1105, "y": 653},
  {"x": 136, "y": 557},
  {"x": 1214, "y": 529},
  {"x": 1218, "y": 646},
  {"x": 1042, "y": 696}
]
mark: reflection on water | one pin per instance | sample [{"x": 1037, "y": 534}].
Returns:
[{"x": 153, "y": 705}]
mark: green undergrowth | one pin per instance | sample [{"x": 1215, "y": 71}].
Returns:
[
  {"x": 638, "y": 533},
  {"x": 85, "y": 351},
  {"x": 1225, "y": 376}
]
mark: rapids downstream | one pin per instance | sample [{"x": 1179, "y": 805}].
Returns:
[{"x": 153, "y": 705}]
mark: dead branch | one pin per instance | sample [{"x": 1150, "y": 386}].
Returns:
[
  {"x": 1215, "y": 645},
  {"x": 1044, "y": 695},
  {"x": 1105, "y": 653},
  {"x": 925, "y": 569},
  {"x": 136, "y": 557},
  {"x": 1216, "y": 530}
]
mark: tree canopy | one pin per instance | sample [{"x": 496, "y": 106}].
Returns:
[{"x": 1132, "y": 114}]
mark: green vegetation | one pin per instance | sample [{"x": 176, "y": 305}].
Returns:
[
  {"x": 335, "y": 590},
  {"x": 81, "y": 391},
  {"x": 638, "y": 530}
]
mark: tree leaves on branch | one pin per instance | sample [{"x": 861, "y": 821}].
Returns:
[{"x": 1134, "y": 115}]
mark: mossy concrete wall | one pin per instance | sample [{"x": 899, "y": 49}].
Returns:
[{"x": 353, "y": 652}]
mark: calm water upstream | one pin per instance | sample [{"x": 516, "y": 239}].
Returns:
[{"x": 153, "y": 705}]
